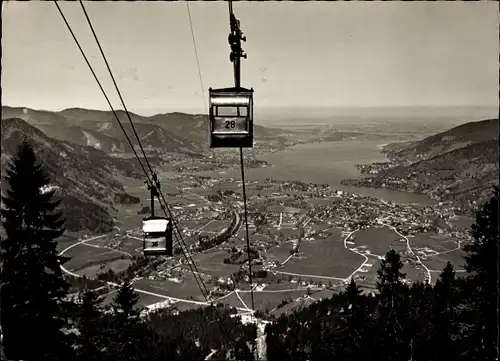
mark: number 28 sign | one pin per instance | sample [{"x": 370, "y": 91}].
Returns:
[{"x": 231, "y": 125}]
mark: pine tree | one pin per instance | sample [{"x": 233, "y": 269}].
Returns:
[
  {"x": 444, "y": 316},
  {"x": 482, "y": 267},
  {"x": 127, "y": 330},
  {"x": 418, "y": 325},
  {"x": 354, "y": 345},
  {"x": 92, "y": 341},
  {"x": 392, "y": 341},
  {"x": 32, "y": 286}
]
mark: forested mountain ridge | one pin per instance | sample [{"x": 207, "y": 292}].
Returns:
[
  {"x": 83, "y": 175},
  {"x": 459, "y": 165}
]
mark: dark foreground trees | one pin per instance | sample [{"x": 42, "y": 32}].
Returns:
[
  {"x": 33, "y": 312},
  {"x": 480, "y": 303}
]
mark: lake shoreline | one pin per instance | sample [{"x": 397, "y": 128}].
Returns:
[{"x": 326, "y": 163}]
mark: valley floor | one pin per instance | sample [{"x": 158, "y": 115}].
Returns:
[{"x": 310, "y": 239}]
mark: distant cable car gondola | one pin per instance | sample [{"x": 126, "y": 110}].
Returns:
[
  {"x": 157, "y": 232},
  {"x": 231, "y": 117}
]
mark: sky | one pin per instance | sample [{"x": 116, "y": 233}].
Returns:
[{"x": 300, "y": 54}]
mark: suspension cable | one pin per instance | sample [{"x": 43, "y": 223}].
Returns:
[
  {"x": 155, "y": 181},
  {"x": 99, "y": 83},
  {"x": 109, "y": 103},
  {"x": 202, "y": 286},
  {"x": 203, "y": 95},
  {"x": 117, "y": 89},
  {"x": 235, "y": 30}
]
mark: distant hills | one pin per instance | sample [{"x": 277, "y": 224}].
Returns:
[
  {"x": 83, "y": 150},
  {"x": 170, "y": 132},
  {"x": 459, "y": 165},
  {"x": 100, "y": 130},
  {"x": 466, "y": 134}
]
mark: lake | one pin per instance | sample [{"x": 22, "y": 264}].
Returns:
[{"x": 325, "y": 163}]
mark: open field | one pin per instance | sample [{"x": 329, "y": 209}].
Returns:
[
  {"x": 232, "y": 301},
  {"x": 216, "y": 225},
  {"x": 269, "y": 300},
  {"x": 192, "y": 224},
  {"x": 64, "y": 242},
  {"x": 184, "y": 306},
  {"x": 378, "y": 240},
  {"x": 203, "y": 192},
  {"x": 284, "y": 232},
  {"x": 212, "y": 263},
  {"x": 120, "y": 245},
  {"x": 293, "y": 306},
  {"x": 430, "y": 243},
  {"x": 435, "y": 251},
  {"x": 187, "y": 289},
  {"x": 116, "y": 265},
  {"x": 438, "y": 262},
  {"x": 283, "y": 285},
  {"x": 131, "y": 245},
  {"x": 82, "y": 255},
  {"x": 324, "y": 257},
  {"x": 280, "y": 252},
  {"x": 318, "y": 295}
]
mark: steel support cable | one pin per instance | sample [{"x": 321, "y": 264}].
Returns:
[
  {"x": 99, "y": 83},
  {"x": 204, "y": 97},
  {"x": 142, "y": 166},
  {"x": 109, "y": 103},
  {"x": 155, "y": 181},
  {"x": 236, "y": 58},
  {"x": 117, "y": 89}
]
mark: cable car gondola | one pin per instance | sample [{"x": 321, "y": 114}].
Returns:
[
  {"x": 157, "y": 233},
  {"x": 231, "y": 117}
]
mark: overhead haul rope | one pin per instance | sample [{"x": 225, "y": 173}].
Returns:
[
  {"x": 154, "y": 182},
  {"x": 236, "y": 54},
  {"x": 204, "y": 97},
  {"x": 150, "y": 183},
  {"x": 235, "y": 38}
]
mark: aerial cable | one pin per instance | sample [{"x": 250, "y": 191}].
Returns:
[
  {"x": 188, "y": 257},
  {"x": 236, "y": 54},
  {"x": 204, "y": 97},
  {"x": 99, "y": 83},
  {"x": 104, "y": 93},
  {"x": 118, "y": 91},
  {"x": 155, "y": 181}
]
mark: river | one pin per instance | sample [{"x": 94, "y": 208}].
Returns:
[{"x": 326, "y": 163}]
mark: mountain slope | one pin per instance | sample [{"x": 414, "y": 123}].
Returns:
[
  {"x": 83, "y": 174},
  {"x": 171, "y": 132},
  {"x": 455, "y": 138},
  {"x": 459, "y": 165},
  {"x": 99, "y": 129}
]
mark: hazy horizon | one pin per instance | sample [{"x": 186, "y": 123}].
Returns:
[
  {"x": 304, "y": 115},
  {"x": 362, "y": 55}
]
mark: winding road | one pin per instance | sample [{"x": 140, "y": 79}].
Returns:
[{"x": 138, "y": 290}]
